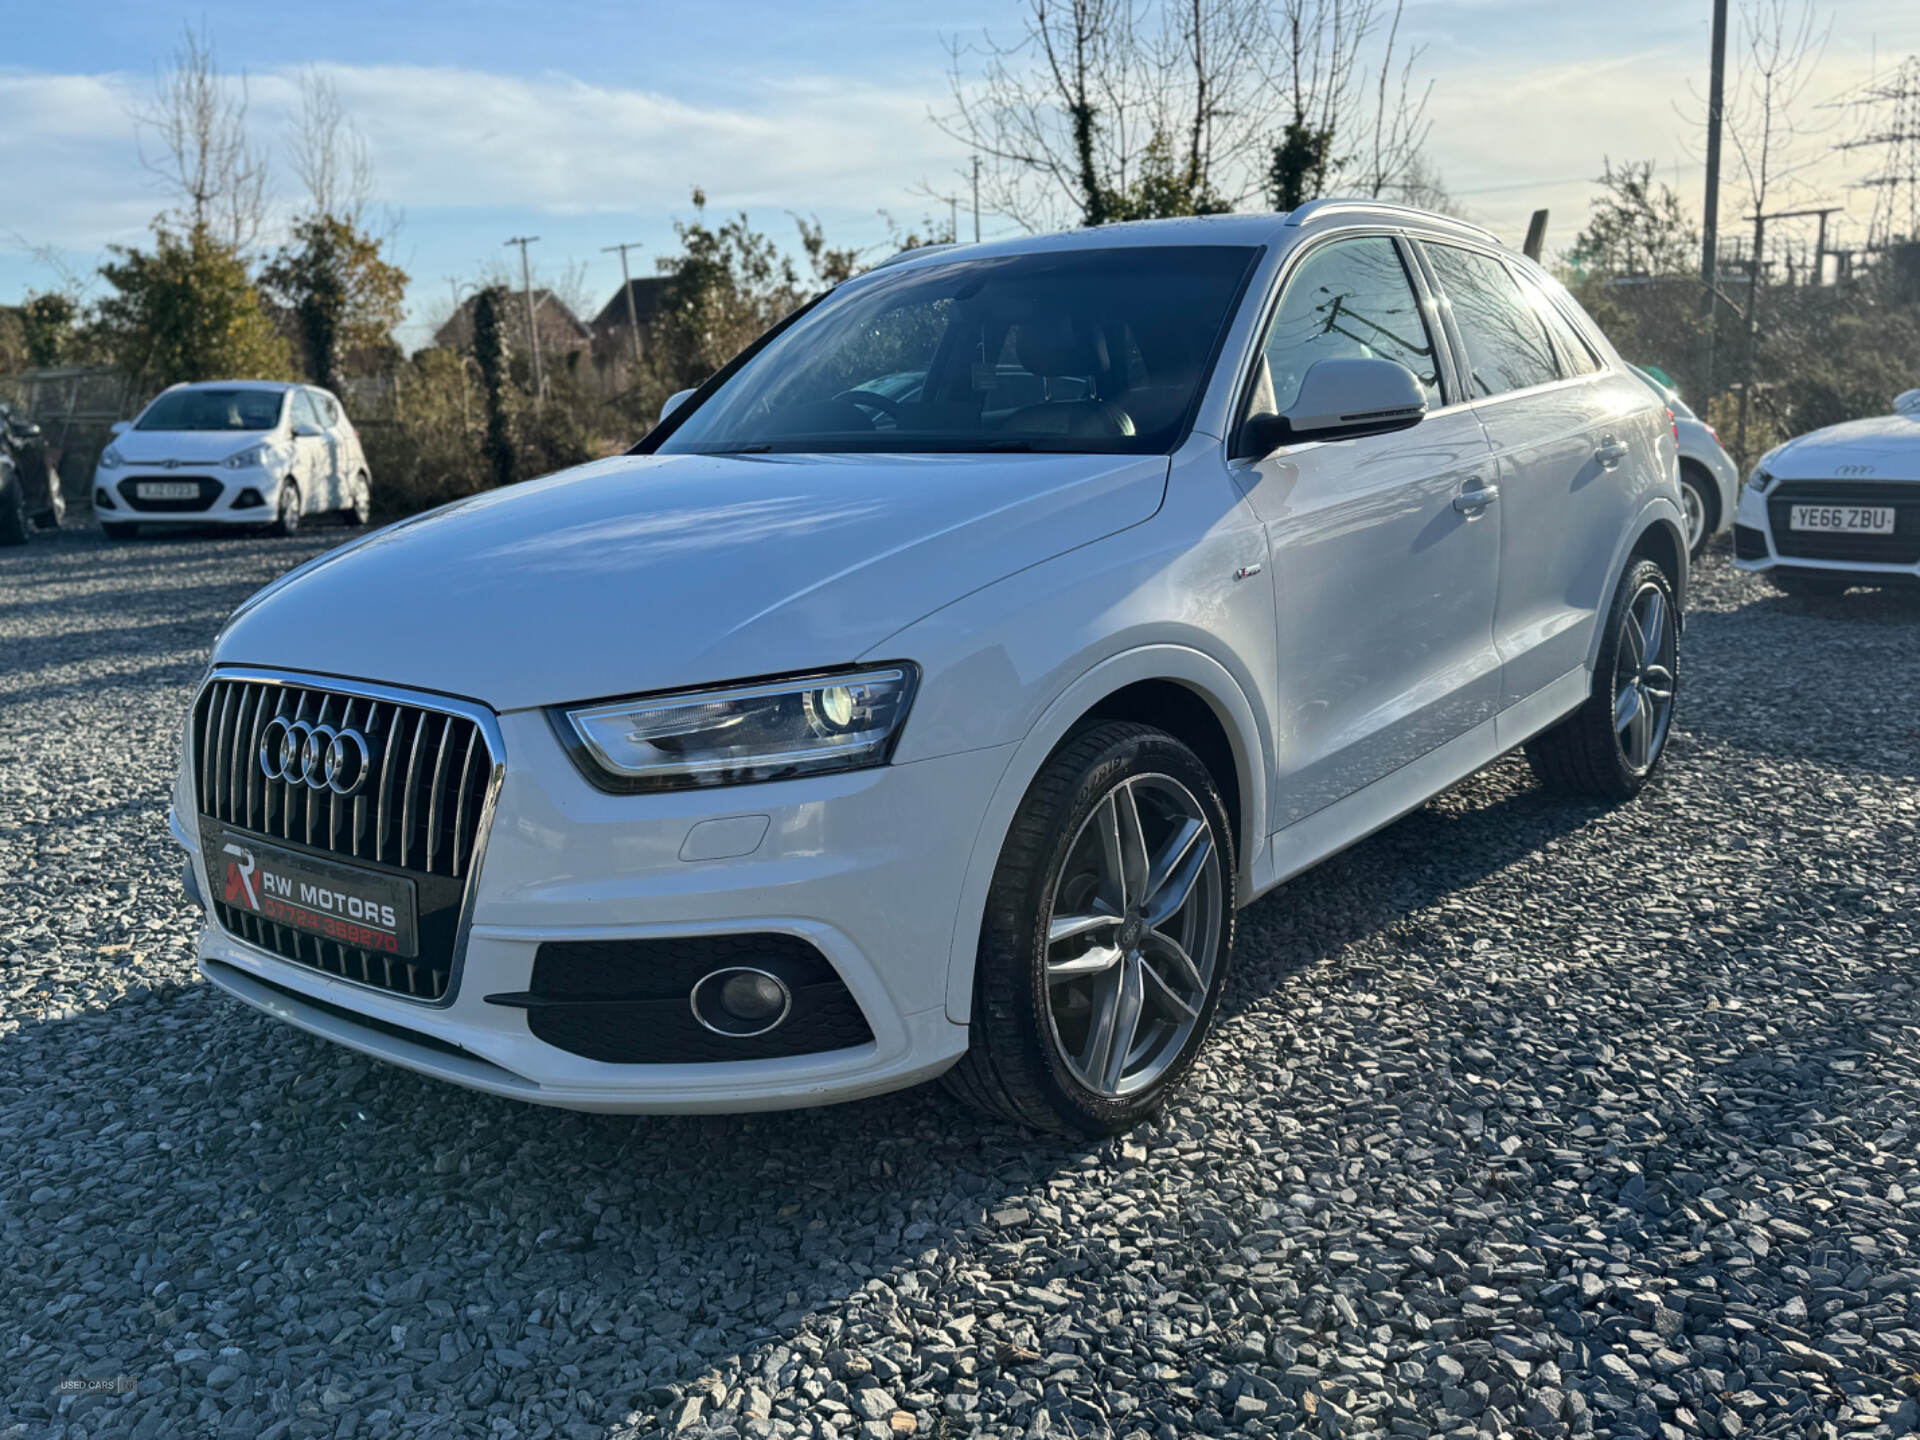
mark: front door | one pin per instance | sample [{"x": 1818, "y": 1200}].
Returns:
[{"x": 1384, "y": 586}]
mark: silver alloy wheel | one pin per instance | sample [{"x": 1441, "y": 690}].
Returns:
[
  {"x": 1643, "y": 678},
  {"x": 1133, "y": 941},
  {"x": 1696, "y": 507}
]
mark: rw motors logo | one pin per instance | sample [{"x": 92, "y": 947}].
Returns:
[{"x": 241, "y": 889}]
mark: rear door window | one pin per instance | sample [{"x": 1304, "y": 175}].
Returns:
[
  {"x": 1575, "y": 353},
  {"x": 1506, "y": 341}
]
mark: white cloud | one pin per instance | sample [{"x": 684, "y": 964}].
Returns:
[{"x": 466, "y": 138}]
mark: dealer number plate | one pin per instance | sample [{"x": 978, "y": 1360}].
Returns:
[
  {"x": 167, "y": 490},
  {"x": 1847, "y": 519},
  {"x": 342, "y": 903}
]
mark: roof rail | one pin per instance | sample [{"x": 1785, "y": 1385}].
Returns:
[
  {"x": 915, "y": 253},
  {"x": 1334, "y": 207}
]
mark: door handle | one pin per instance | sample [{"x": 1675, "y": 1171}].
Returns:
[
  {"x": 1472, "y": 502},
  {"x": 1611, "y": 452}
]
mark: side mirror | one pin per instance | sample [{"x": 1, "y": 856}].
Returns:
[
  {"x": 1340, "y": 399},
  {"x": 120, "y": 427},
  {"x": 304, "y": 431},
  {"x": 674, "y": 402}
]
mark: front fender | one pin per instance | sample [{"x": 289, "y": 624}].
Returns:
[{"x": 1198, "y": 672}]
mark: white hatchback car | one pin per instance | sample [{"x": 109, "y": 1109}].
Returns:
[
  {"x": 842, "y": 736},
  {"x": 1837, "y": 507},
  {"x": 233, "y": 452}
]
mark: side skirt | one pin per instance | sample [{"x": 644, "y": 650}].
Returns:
[{"x": 1308, "y": 841}]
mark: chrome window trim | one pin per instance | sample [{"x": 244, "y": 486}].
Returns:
[{"x": 480, "y": 715}]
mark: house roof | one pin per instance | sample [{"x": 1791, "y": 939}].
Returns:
[
  {"x": 649, "y": 292},
  {"x": 548, "y": 308}
]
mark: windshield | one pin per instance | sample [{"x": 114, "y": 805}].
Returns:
[
  {"x": 1101, "y": 350},
  {"x": 213, "y": 410}
]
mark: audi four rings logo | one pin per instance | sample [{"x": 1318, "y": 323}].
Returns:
[{"x": 317, "y": 756}]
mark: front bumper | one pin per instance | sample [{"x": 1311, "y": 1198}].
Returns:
[
  {"x": 223, "y": 496},
  {"x": 1757, "y": 549},
  {"x": 866, "y": 866}
]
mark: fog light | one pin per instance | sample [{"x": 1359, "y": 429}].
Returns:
[
  {"x": 741, "y": 1002},
  {"x": 248, "y": 499},
  {"x": 102, "y": 500}
]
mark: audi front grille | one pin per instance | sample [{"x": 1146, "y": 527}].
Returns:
[
  {"x": 421, "y": 811},
  {"x": 1902, "y": 547}
]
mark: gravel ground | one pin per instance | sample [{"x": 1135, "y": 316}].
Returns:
[{"x": 1525, "y": 1118}]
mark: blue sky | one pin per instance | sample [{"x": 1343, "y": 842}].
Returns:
[{"x": 588, "y": 124}]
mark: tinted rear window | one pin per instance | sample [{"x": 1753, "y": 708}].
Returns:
[{"x": 1507, "y": 346}]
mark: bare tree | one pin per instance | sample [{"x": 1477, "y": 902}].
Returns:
[
  {"x": 1124, "y": 109},
  {"x": 1351, "y": 125},
  {"x": 1059, "y": 117},
  {"x": 329, "y": 154},
  {"x": 1781, "y": 46},
  {"x": 1399, "y": 124},
  {"x": 1782, "y": 43},
  {"x": 198, "y": 120}
]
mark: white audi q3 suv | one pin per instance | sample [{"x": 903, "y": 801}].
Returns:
[{"x": 925, "y": 694}]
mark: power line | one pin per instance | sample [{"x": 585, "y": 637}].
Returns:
[{"x": 1896, "y": 106}]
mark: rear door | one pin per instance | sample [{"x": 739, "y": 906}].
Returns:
[
  {"x": 313, "y": 459},
  {"x": 333, "y": 429},
  {"x": 1384, "y": 586},
  {"x": 1561, "y": 440}
]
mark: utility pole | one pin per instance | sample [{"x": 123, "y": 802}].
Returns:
[
  {"x": 953, "y": 217},
  {"x": 626, "y": 286},
  {"x": 533, "y": 332},
  {"x": 1710, "y": 202},
  {"x": 976, "y": 199},
  {"x": 1754, "y": 266}
]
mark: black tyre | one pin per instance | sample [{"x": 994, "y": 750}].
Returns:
[
  {"x": 119, "y": 529},
  {"x": 1107, "y": 936},
  {"x": 287, "y": 510},
  {"x": 1702, "y": 503},
  {"x": 1610, "y": 745},
  {"x": 15, "y": 526},
  {"x": 1806, "y": 585}
]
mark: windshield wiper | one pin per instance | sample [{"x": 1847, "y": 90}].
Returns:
[{"x": 1008, "y": 445}]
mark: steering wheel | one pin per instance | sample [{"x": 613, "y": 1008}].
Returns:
[{"x": 886, "y": 406}]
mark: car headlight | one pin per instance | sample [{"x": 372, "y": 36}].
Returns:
[
  {"x": 806, "y": 725},
  {"x": 250, "y": 458},
  {"x": 1759, "y": 480},
  {"x": 111, "y": 459}
]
